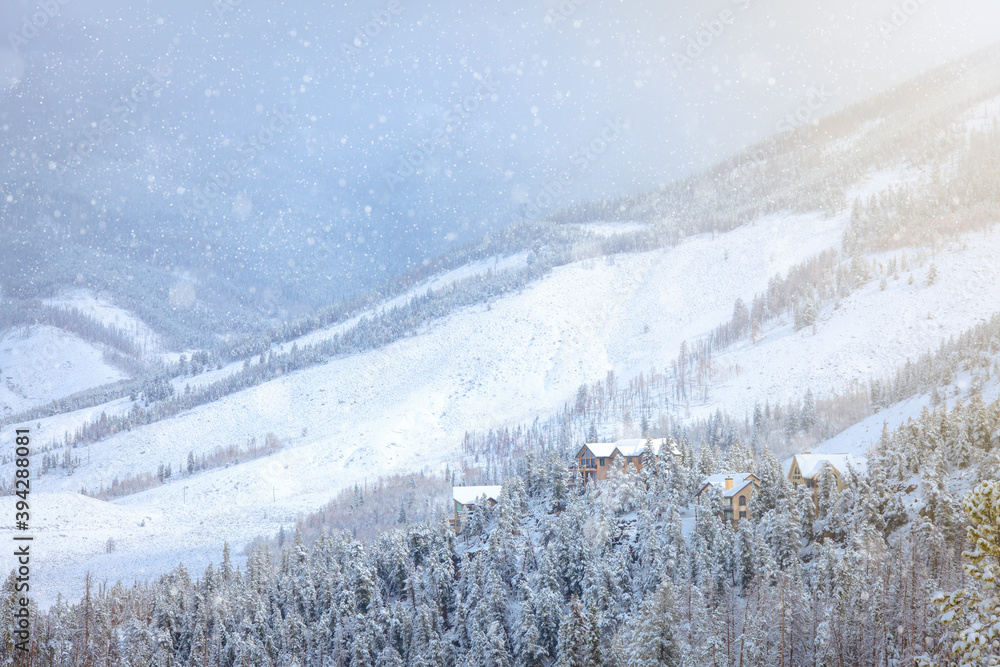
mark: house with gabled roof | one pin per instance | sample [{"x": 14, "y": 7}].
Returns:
[
  {"x": 806, "y": 468},
  {"x": 595, "y": 459},
  {"x": 737, "y": 488},
  {"x": 464, "y": 498}
]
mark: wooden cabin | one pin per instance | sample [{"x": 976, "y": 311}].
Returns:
[
  {"x": 737, "y": 488},
  {"x": 464, "y": 498},
  {"x": 595, "y": 459},
  {"x": 806, "y": 468}
]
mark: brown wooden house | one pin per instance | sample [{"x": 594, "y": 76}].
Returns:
[
  {"x": 595, "y": 459},
  {"x": 737, "y": 489},
  {"x": 464, "y": 498},
  {"x": 806, "y": 468}
]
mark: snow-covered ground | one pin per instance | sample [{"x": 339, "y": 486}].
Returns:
[
  {"x": 481, "y": 267},
  {"x": 103, "y": 311},
  {"x": 108, "y": 314},
  {"x": 41, "y": 363},
  {"x": 408, "y": 405},
  {"x": 872, "y": 333}
]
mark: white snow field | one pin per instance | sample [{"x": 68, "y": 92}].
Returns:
[
  {"x": 440, "y": 281},
  {"x": 858, "y": 438},
  {"x": 106, "y": 313},
  {"x": 872, "y": 333},
  {"x": 41, "y": 363},
  {"x": 407, "y": 406}
]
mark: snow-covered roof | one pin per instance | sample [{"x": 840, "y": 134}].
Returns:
[
  {"x": 740, "y": 480},
  {"x": 468, "y": 495},
  {"x": 601, "y": 449},
  {"x": 635, "y": 446},
  {"x": 810, "y": 465},
  {"x": 627, "y": 447}
]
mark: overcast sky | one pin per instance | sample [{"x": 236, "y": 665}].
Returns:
[{"x": 561, "y": 75}]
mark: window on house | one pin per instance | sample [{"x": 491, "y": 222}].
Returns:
[
  {"x": 743, "y": 501},
  {"x": 743, "y": 515},
  {"x": 602, "y": 461}
]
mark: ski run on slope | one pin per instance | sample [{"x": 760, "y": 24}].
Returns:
[{"x": 406, "y": 406}]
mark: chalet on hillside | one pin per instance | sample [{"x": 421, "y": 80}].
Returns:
[
  {"x": 465, "y": 498},
  {"x": 806, "y": 468},
  {"x": 737, "y": 488},
  {"x": 595, "y": 459}
]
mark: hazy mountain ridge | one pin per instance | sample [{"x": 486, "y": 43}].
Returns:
[{"x": 579, "y": 305}]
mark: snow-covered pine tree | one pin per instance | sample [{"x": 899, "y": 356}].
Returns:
[
  {"x": 972, "y": 614},
  {"x": 654, "y": 640}
]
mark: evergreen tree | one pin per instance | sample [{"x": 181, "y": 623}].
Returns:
[
  {"x": 773, "y": 484},
  {"x": 655, "y": 641},
  {"x": 808, "y": 417},
  {"x": 805, "y": 506},
  {"x": 973, "y": 614},
  {"x": 528, "y": 637},
  {"x": 782, "y": 528},
  {"x": 577, "y": 638}
]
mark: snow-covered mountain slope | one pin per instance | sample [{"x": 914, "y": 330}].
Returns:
[
  {"x": 442, "y": 280},
  {"x": 858, "y": 438},
  {"x": 42, "y": 363},
  {"x": 983, "y": 117},
  {"x": 106, "y": 313},
  {"x": 408, "y": 405},
  {"x": 873, "y": 332}
]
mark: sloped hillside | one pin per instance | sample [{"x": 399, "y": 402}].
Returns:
[
  {"x": 41, "y": 363},
  {"x": 408, "y": 405},
  {"x": 742, "y": 286}
]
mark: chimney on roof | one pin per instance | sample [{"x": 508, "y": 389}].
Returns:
[
  {"x": 729, "y": 483},
  {"x": 806, "y": 453}
]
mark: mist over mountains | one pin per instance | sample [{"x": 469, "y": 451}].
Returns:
[
  {"x": 280, "y": 156},
  {"x": 278, "y": 279}
]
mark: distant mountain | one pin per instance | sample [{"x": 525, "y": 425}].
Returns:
[{"x": 817, "y": 278}]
